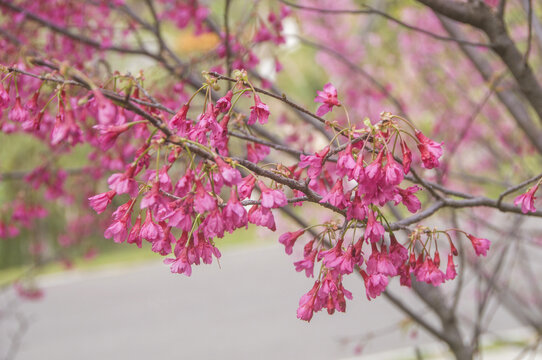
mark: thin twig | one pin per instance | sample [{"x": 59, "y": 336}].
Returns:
[
  {"x": 227, "y": 38},
  {"x": 517, "y": 187},
  {"x": 530, "y": 32}
]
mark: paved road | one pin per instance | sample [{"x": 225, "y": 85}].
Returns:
[{"x": 244, "y": 310}]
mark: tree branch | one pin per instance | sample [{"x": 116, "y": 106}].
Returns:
[{"x": 370, "y": 10}]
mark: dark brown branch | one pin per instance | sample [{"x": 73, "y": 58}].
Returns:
[
  {"x": 227, "y": 38},
  {"x": 529, "y": 32},
  {"x": 369, "y": 10},
  {"x": 507, "y": 97},
  {"x": 501, "y": 9},
  {"x": 472, "y": 13},
  {"x": 482, "y": 17}
]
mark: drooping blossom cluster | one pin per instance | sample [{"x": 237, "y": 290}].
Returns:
[
  {"x": 176, "y": 181},
  {"x": 183, "y": 188},
  {"x": 357, "y": 179}
]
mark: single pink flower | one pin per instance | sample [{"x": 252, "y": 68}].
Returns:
[
  {"x": 124, "y": 183},
  {"x": 117, "y": 230},
  {"x": 451, "y": 273},
  {"x": 527, "y": 200},
  {"x": 328, "y": 98},
  {"x": 107, "y": 111},
  {"x": 259, "y": 215},
  {"x": 235, "y": 215},
  {"x": 375, "y": 284},
  {"x": 430, "y": 273},
  {"x": 178, "y": 121},
  {"x": 213, "y": 225},
  {"x": 134, "y": 237},
  {"x": 356, "y": 210},
  {"x": 374, "y": 170},
  {"x": 393, "y": 171},
  {"x": 32, "y": 104},
  {"x": 336, "y": 195},
  {"x": 307, "y": 302},
  {"x": 230, "y": 175},
  {"x": 17, "y": 112},
  {"x": 180, "y": 264},
  {"x": 109, "y": 134},
  {"x": 481, "y": 246},
  {"x": 28, "y": 292},
  {"x": 374, "y": 230},
  {"x": 272, "y": 198},
  {"x": 4, "y": 97},
  {"x": 181, "y": 215},
  {"x": 257, "y": 152},
  {"x": 407, "y": 157},
  {"x": 184, "y": 185},
  {"x": 313, "y": 162},
  {"x": 358, "y": 173},
  {"x": 407, "y": 197},
  {"x": 307, "y": 263},
  {"x": 344, "y": 262},
  {"x": 380, "y": 263},
  {"x": 288, "y": 240},
  {"x": 151, "y": 231},
  {"x": 430, "y": 150},
  {"x": 259, "y": 112},
  {"x": 203, "y": 201},
  {"x": 224, "y": 103},
  {"x": 346, "y": 162},
  {"x": 99, "y": 202}
]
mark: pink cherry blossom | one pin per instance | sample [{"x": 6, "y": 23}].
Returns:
[
  {"x": 328, "y": 98},
  {"x": 307, "y": 263},
  {"x": 451, "y": 273},
  {"x": 4, "y": 97},
  {"x": 480, "y": 245},
  {"x": 17, "y": 112},
  {"x": 313, "y": 162},
  {"x": 262, "y": 216},
  {"x": 259, "y": 112},
  {"x": 134, "y": 237},
  {"x": 272, "y": 198},
  {"x": 224, "y": 103},
  {"x": 374, "y": 284},
  {"x": 374, "y": 230},
  {"x": 407, "y": 197},
  {"x": 336, "y": 195},
  {"x": 527, "y": 200},
  {"x": 288, "y": 240},
  {"x": 430, "y": 150},
  {"x": 99, "y": 202},
  {"x": 246, "y": 187},
  {"x": 235, "y": 215}
]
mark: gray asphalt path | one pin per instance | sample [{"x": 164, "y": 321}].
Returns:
[{"x": 246, "y": 309}]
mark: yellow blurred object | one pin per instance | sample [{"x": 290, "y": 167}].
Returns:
[{"x": 190, "y": 43}]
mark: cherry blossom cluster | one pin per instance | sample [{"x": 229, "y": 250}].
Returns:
[
  {"x": 183, "y": 187},
  {"x": 179, "y": 180},
  {"x": 77, "y": 41}
]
